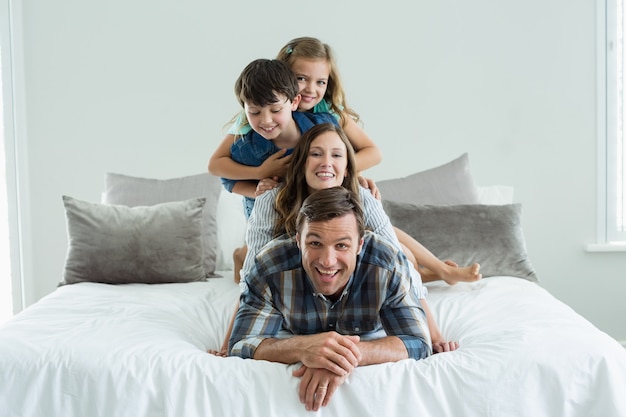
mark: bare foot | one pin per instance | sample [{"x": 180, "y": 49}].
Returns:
[
  {"x": 453, "y": 273},
  {"x": 429, "y": 275}
]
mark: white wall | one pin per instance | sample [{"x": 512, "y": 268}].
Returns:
[{"x": 144, "y": 88}]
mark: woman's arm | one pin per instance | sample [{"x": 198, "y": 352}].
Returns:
[
  {"x": 376, "y": 219},
  {"x": 367, "y": 153},
  {"x": 260, "y": 228}
]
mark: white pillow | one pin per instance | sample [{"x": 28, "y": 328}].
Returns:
[
  {"x": 495, "y": 194},
  {"x": 231, "y": 228}
]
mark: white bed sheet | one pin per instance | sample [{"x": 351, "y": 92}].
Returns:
[{"x": 139, "y": 350}]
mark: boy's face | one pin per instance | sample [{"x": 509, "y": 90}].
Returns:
[
  {"x": 312, "y": 75},
  {"x": 271, "y": 120}
]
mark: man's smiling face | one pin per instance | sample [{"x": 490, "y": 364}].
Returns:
[{"x": 329, "y": 252}]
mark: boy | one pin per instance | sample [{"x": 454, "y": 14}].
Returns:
[{"x": 269, "y": 94}]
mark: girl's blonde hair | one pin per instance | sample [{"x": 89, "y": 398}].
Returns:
[
  {"x": 312, "y": 48},
  {"x": 296, "y": 189}
]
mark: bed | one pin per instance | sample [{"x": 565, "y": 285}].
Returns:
[{"x": 127, "y": 345}]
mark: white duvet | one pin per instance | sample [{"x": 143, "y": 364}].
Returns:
[{"x": 139, "y": 350}]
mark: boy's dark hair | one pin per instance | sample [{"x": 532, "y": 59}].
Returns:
[
  {"x": 329, "y": 203},
  {"x": 262, "y": 79}
]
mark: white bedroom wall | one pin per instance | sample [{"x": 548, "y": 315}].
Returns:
[{"x": 144, "y": 88}]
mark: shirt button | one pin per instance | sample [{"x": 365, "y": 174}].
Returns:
[
  {"x": 356, "y": 329},
  {"x": 331, "y": 325}
]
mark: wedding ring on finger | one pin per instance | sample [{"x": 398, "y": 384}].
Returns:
[{"x": 322, "y": 388}]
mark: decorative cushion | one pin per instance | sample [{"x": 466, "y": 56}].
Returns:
[
  {"x": 488, "y": 234},
  {"x": 137, "y": 191},
  {"x": 450, "y": 183},
  {"x": 117, "y": 244}
]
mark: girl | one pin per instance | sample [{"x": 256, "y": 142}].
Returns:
[{"x": 321, "y": 90}]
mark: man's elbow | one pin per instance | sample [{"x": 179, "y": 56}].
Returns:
[{"x": 417, "y": 348}]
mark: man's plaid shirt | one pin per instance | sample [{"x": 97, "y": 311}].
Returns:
[{"x": 378, "y": 300}]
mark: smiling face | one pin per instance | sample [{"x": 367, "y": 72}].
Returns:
[
  {"x": 329, "y": 252},
  {"x": 327, "y": 161},
  {"x": 273, "y": 119},
  {"x": 312, "y": 75}
]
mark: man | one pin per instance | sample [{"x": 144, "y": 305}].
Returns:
[{"x": 334, "y": 298}]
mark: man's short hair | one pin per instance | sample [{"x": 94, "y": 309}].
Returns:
[
  {"x": 326, "y": 204},
  {"x": 263, "y": 79}
]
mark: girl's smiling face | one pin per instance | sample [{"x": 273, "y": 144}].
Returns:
[{"x": 312, "y": 75}]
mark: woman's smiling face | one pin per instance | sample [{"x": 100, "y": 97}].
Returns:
[{"x": 326, "y": 162}]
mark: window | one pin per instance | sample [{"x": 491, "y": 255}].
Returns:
[
  {"x": 612, "y": 122},
  {"x": 11, "y": 298}
]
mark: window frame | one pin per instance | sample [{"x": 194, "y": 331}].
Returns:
[
  {"x": 607, "y": 102},
  {"x": 13, "y": 119}
]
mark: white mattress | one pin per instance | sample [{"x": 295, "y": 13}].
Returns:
[{"x": 139, "y": 350}]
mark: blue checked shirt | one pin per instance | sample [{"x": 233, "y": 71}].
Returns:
[{"x": 280, "y": 300}]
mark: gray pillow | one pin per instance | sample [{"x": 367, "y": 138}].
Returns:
[
  {"x": 117, "y": 244},
  {"x": 450, "y": 183},
  {"x": 487, "y": 234},
  {"x": 137, "y": 191}
]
